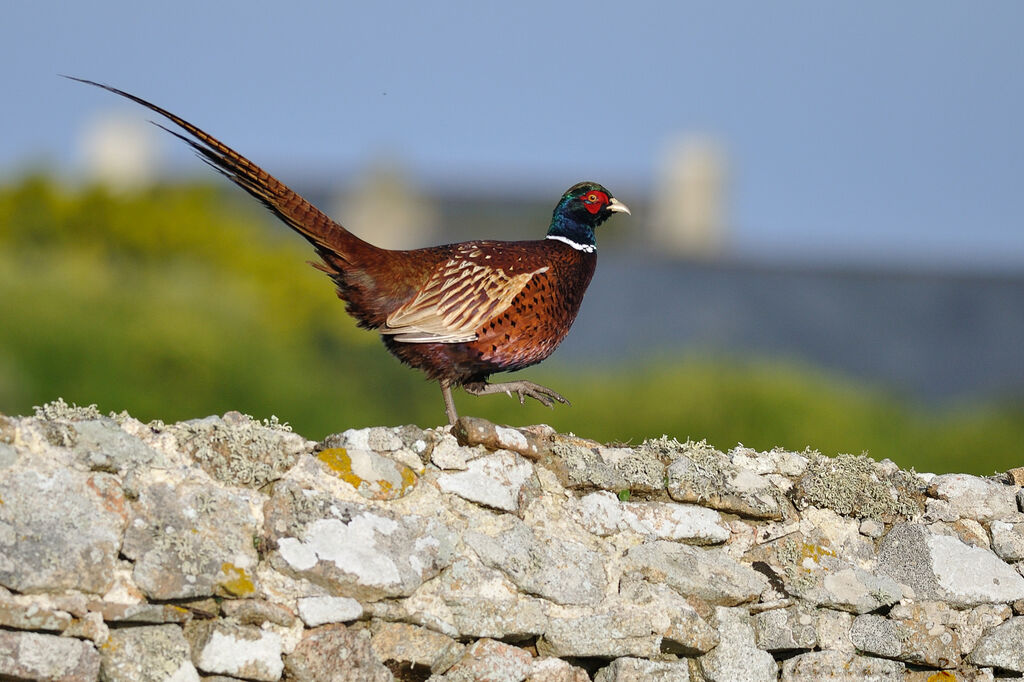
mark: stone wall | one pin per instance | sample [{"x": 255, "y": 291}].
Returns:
[{"x": 233, "y": 548}]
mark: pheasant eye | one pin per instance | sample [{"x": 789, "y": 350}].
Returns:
[{"x": 592, "y": 197}]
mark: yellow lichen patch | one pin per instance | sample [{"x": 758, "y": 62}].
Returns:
[
  {"x": 378, "y": 477},
  {"x": 236, "y": 582},
  {"x": 942, "y": 676},
  {"x": 339, "y": 462}
]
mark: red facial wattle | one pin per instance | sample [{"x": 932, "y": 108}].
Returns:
[{"x": 594, "y": 200}]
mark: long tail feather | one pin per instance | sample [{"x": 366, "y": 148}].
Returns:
[{"x": 330, "y": 238}]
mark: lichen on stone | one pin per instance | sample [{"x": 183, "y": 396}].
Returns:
[
  {"x": 58, "y": 410},
  {"x": 237, "y": 449},
  {"x": 852, "y": 485}
]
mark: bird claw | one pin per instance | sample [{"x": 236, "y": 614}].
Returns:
[{"x": 524, "y": 389}]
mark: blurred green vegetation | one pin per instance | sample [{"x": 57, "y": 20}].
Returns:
[{"x": 181, "y": 301}]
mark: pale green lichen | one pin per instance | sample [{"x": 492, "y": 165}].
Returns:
[
  {"x": 852, "y": 485},
  {"x": 241, "y": 452},
  {"x": 58, "y": 410}
]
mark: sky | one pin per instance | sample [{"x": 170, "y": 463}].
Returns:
[{"x": 865, "y": 132}]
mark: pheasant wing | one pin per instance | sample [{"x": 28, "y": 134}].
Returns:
[{"x": 461, "y": 296}]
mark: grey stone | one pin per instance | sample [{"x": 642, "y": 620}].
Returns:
[
  {"x": 103, "y": 445},
  {"x": 627, "y": 669},
  {"x": 709, "y": 574},
  {"x": 334, "y": 653},
  {"x": 602, "y": 513},
  {"x": 872, "y": 528},
  {"x": 60, "y": 530},
  {"x": 876, "y": 635},
  {"x": 352, "y": 549},
  {"x": 858, "y": 486},
  {"x": 32, "y": 617},
  {"x": 34, "y": 656},
  {"x": 975, "y": 498},
  {"x": 840, "y": 665},
  {"x": 147, "y": 654},
  {"x": 1008, "y": 540},
  {"x": 494, "y": 481},
  {"x": 411, "y": 646},
  {"x": 971, "y": 625},
  {"x": 487, "y": 659},
  {"x": 258, "y": 612},
  {"x": 223, "y": 648},
  {"x": 825, "y": 580},
  {"x": 641, "y": 630},
  {"x": 917, "y": 633},
  {"x": 1002, "y": 647},
  {"x": 451, "y": 603},
  {"x": 560, "y": 568},
  {"x": 315, "y": 611},
  {"x": 192, "y": 540},
  {"x": 775, "y": 461},
  {"x": 833, "y": 630},
  {"x": 943, "y": 567},
  {"x": 737, "y": 658},
  {"x": 704, "y": 475},
  {"x": 786, "y": 629},
  {"x": 548, "y": 669},
  {"x": 586, "y": 464}
]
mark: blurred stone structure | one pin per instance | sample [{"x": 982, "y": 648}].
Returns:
[{"x": 688, "y": 213}]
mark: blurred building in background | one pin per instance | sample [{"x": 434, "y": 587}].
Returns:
[
  {"x": 688, "y": 211},
  {"x": 120, "y": 150}
]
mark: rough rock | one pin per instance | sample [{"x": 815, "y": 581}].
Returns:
[
  {"x": 737, "y": 658},
  {"x": 1002, "y": 647},
  {"x": 976, "y": 498},
  {"x": 839, "y": 665},
  {"x": 709, "y": 574},
  {"x": 191, "y": 540},
  {"x": 59, "y": 529},
  {"x": 411, "y": 646},
  {"x": 786, "y": 629},
  {"x": 487, "y": 659},
  {"x": 1008, "y": 540},
  {"x": 628, "y": 669},
  {"x": 602, "y": 513},
  {"x": 356, "y": 550},
  {"x": 34, "y": 656},
  {"x": 147, "y": 654},
  {"x": 557, "y": 567},
  {"x": 451, "y": 603},
  {"x": 493, "y": 481},
  {"x": 706, "y": 476},
  {"x": 912, "y": 639},
  {"x": 943, "y": 567},
  {"x": 221, "y": 647},
  {"x": 335, "y": 653},
  {"x": 316, "y": 611},
  {"x": 588, "y": 465}
]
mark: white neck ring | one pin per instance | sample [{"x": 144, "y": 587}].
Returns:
[{"x": 585, "y": 248}]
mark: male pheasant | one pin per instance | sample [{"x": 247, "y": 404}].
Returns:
[{"x": 459, "y": 312}]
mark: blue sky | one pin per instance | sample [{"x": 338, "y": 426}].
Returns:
[{"x": 878, "y": 132}]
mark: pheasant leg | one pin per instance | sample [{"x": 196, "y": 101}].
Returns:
[
  {"x": 449, "y": 403},
  {"x": 525, "y": 389}
]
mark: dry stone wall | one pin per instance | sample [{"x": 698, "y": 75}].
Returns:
[{"x": 225, "y": 548}]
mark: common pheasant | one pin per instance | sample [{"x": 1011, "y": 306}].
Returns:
[{"x": 459, "y": 312}]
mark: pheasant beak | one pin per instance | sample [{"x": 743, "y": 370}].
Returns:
[{"x": 617, "y": 206}]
